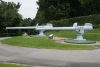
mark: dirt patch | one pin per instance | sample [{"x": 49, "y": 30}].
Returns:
[{"x": 61, "y": 40}]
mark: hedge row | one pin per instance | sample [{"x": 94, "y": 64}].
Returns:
[{"x": 94, "y": 19}]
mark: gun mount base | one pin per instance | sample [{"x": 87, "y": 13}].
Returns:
[
  {"x": 79, "y": 37},
  {"x": 80, "y": 41}
]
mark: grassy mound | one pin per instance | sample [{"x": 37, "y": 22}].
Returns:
[
  {"x": 42, "y": 43},
  {"x": 11, "y": 65},
  {"x": 51, "y": 44}
]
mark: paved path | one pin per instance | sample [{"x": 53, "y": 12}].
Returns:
[{"x": 47, "y": 57}]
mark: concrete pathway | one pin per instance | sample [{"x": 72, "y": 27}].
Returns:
[{"x": 47, "y": 57}]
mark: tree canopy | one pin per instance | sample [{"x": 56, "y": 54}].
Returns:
[
  {"x": 63, "y": 9},
  {"x": 9, "y": 15}
]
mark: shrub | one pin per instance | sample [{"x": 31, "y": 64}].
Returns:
[{"x": 94, "y": 19}]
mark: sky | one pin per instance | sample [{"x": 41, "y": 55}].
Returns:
[{"x": 28, "y": 8}]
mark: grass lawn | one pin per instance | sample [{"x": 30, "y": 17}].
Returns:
[
  {"x": 89, "y": 35},
  {"x": 51, "y": 44},
  {"x": 42, "y": 43},
  {"x": 11, "y": 65}
]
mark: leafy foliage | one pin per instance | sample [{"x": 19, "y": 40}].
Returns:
[
  {"x": 62, "y": 9},
  {"x": 94, "y": 19},
  {"x": 52, "y": 9},
  {"x": 9, "y": 15}
]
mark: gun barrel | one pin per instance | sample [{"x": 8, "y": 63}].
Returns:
[
  {"x": 65, "y": 28},
  {"x": 20, "y": 27},
  {"x": 57, "y": 28}
]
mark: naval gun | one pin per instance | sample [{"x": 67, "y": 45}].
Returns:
[{"x": 78, "y": 29}]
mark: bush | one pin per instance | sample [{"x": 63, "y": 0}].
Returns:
[{"x": 94, "y": 19}]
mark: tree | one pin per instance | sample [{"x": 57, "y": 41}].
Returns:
[
  {"x": 52, "y": 10},
  {"x": 62, "y": 9},
  {"x": 9, "y": 15},
  {"x": 90, "y": 7},
  {"x": 75, "y": 7}
]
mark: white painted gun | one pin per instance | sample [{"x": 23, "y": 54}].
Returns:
[{"x": 79, "y": 29}]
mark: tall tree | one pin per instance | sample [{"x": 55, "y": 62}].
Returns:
[
  {"x": 9, "y": 15},
  {"x": 75, "y": 7},
  {"x": 62, "y": 9},
  {"x": 90, "y": 7},
  {"x": 52, "y": 10}
]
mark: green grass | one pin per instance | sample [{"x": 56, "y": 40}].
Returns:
[
  {"x": 42, "y": 43},
  {"x": 11, "y": 65},
  {"x": 89, "y": 35},
  {"x": 66, "y": 34},
  {"x": 51, "y": 44}
]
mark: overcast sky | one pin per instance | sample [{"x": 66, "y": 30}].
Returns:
[{"x": 28, "y": 8}]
